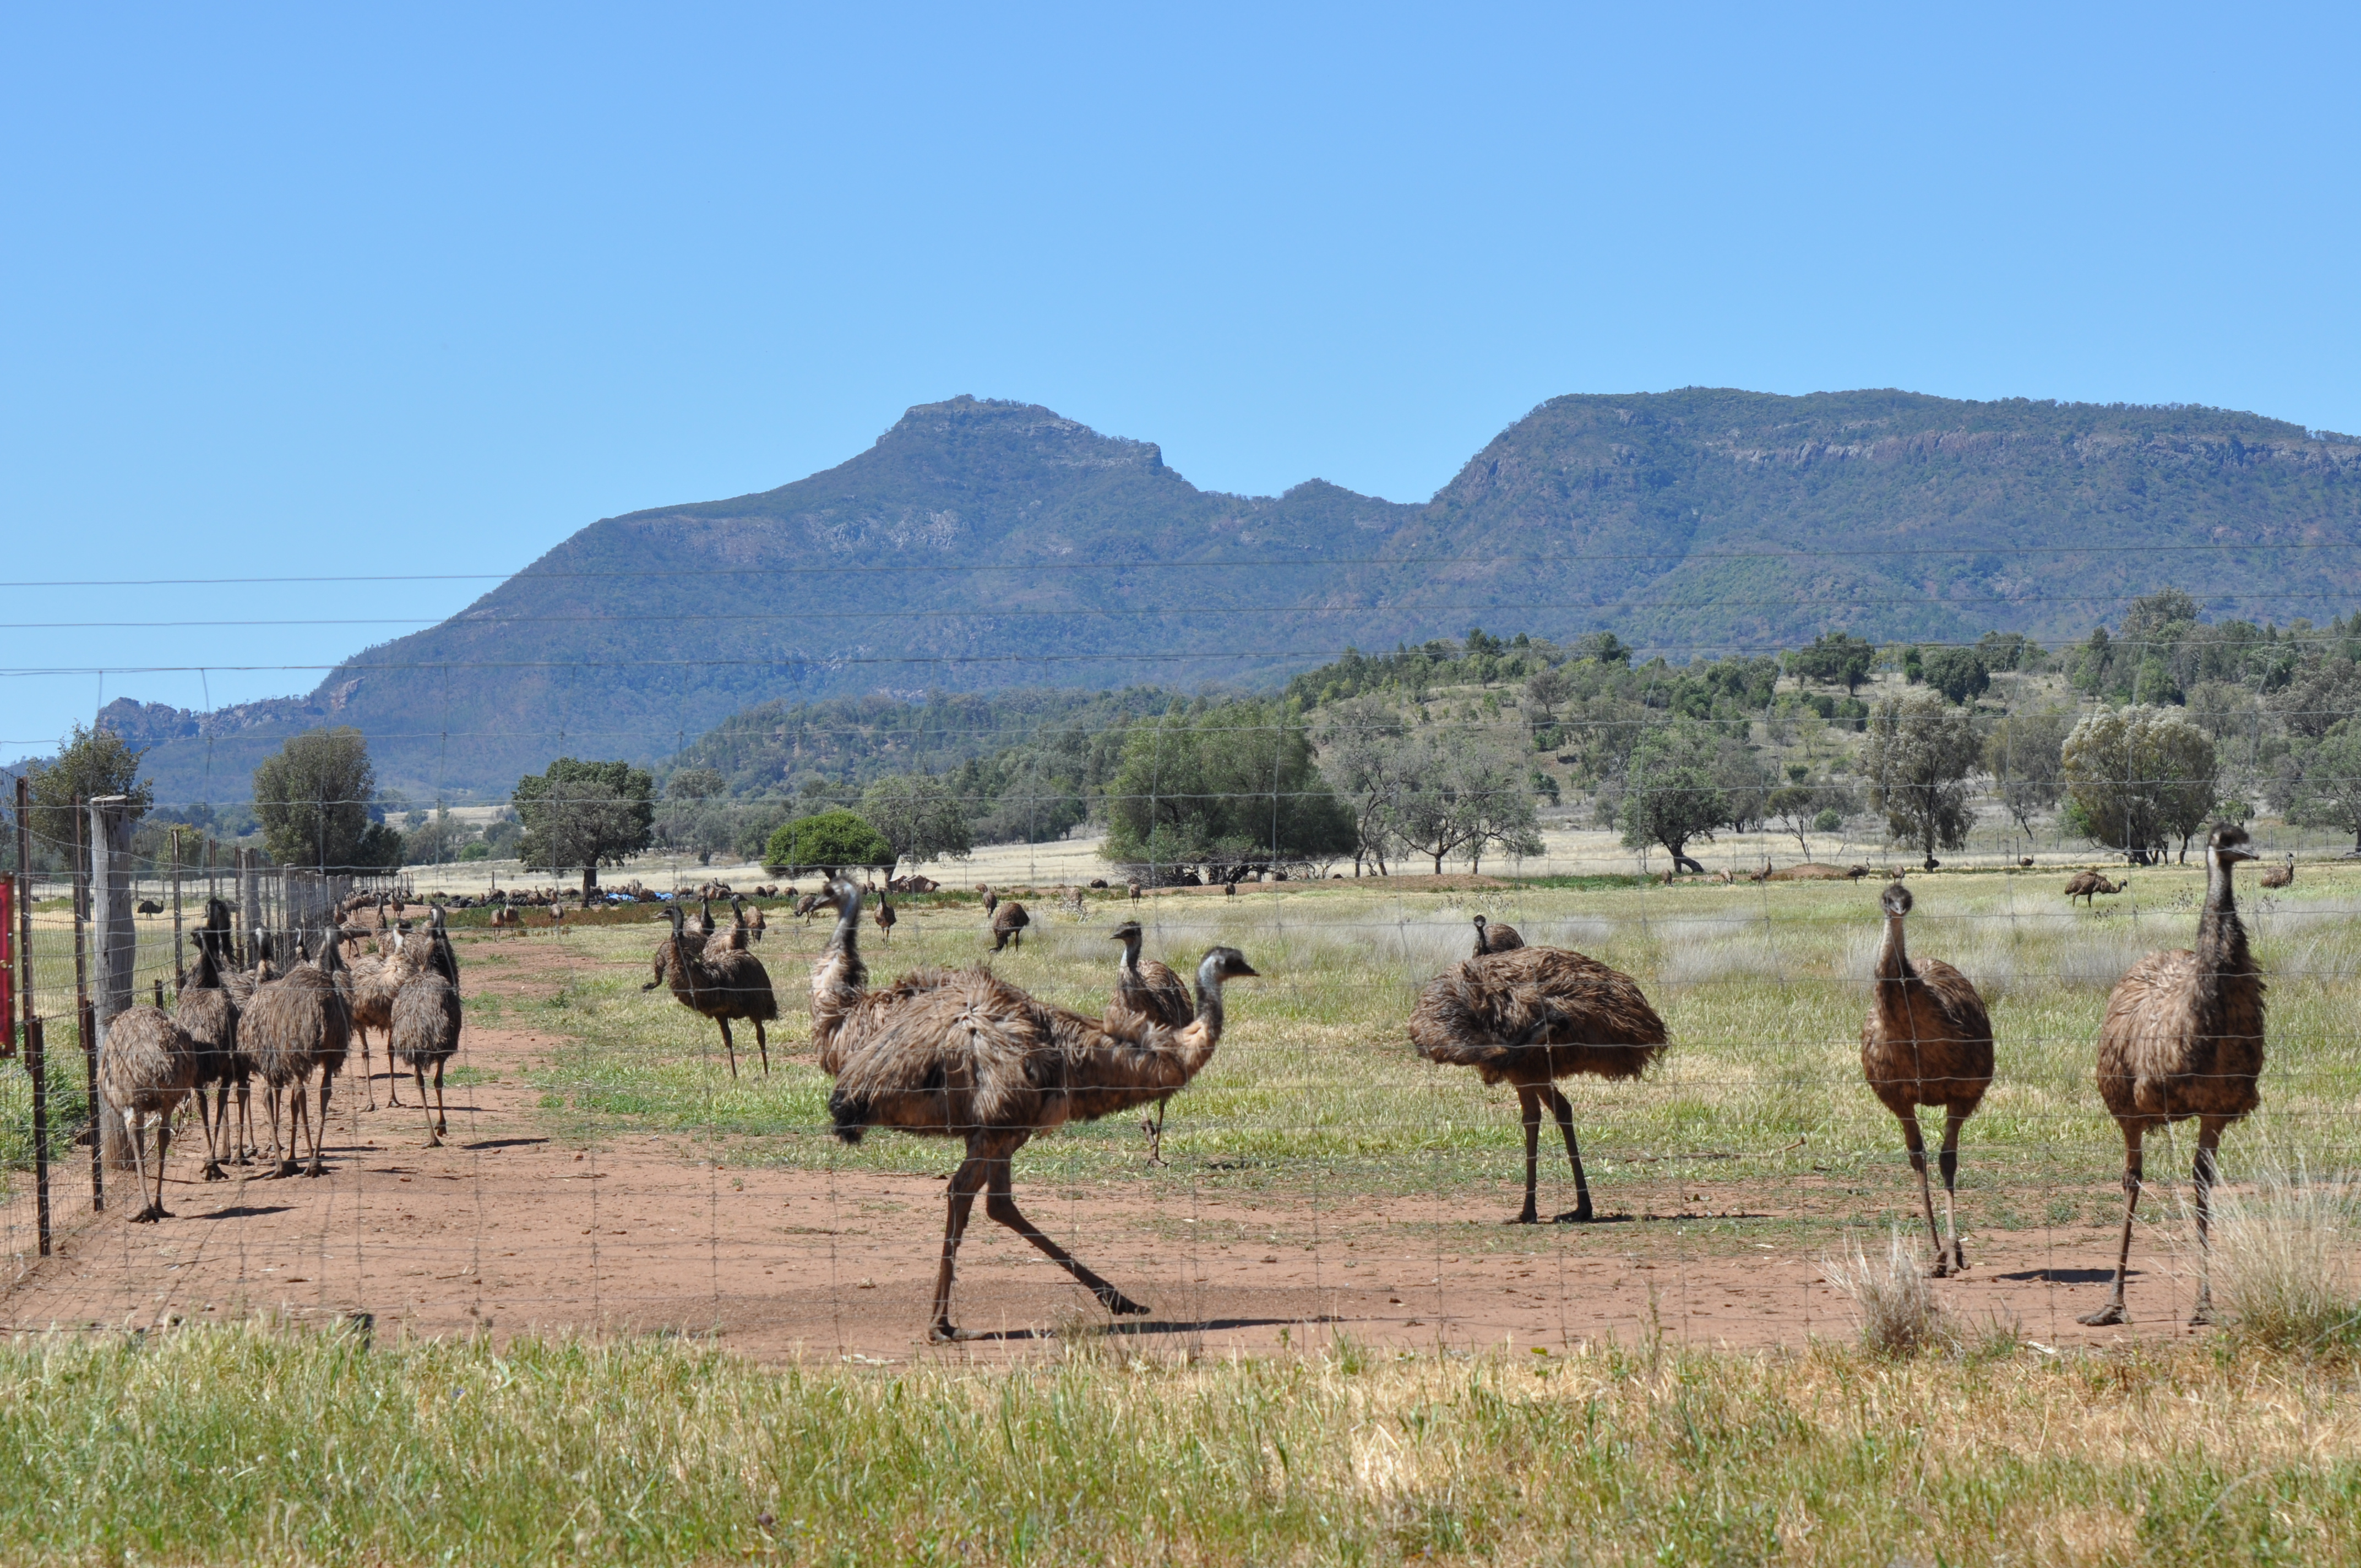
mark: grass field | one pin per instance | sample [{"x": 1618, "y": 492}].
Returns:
[{"x": 272, "y": 1445}]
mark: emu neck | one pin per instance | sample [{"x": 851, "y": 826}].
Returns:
[
  {"x": 1197, "y": 1040},
  {"x": 1893, "y": 970},
  {"x": 1131, "y": 958},
  {"x": 2220, "y": 936}
]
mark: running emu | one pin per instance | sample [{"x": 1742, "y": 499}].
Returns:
[
  {"x": 1528, "y": 1017},
  {"x": 146, "y": 1066},
  {"x": 960, "y": 1054},
  {"x": 2183, "y": 1036},
  {"x": 1926, "y": 1042}
]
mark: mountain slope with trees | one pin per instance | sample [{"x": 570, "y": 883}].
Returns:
[{"x": 981, "y": 545}]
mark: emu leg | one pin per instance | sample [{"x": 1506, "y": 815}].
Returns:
[
  {"x": 215, "y": 1125},
  {"x": 2208, "y": 1138},
  {"x": 762, "y": 1044},
  {"x": 163, "y": 1147},
  {"x": 1530, "y": 1103},
  {"x": 961, "y": 1196},
  {"x": 728, "y": 1045},
  {"x": 433, "y": 1140},
  {"x": 1915, "y": 1142},
  {"x": 368, "y": 1076},
  {"x": 1949, "y": 1161},
  {"x": 245, "y": 1122},
  {"x": 441, "y": 1125},
  {"x": 1154, "y": 1128},
  {"x": 320, "y": 1127},
  {"x": 392, "y": 1075},
  {"x": 1001, "y": 1206},
  {"x": 1564, "y": 1108},
  {"x": 2113, "y": 1313},
  {"x": 139, "y": 1165}
]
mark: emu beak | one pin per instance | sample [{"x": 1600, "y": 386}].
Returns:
[{"x": 1245, "y": 971}]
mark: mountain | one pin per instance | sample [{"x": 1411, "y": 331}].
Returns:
[{"x": 982, "y": 546}]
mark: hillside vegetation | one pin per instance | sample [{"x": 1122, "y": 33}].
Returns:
[{"x": 984, "y": 545}]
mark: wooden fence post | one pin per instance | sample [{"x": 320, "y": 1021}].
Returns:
[{"x": 118, "y": 949}]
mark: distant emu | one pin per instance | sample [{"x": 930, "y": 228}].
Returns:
[
  {"x": 2085, "y": 885},
  {"x": 1926, "y": 1042},
  {"x": 1008, "y": 923},
  {"x": 1493, "y": 939}
]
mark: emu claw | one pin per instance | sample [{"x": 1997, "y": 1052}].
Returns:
[{"x": 2105, "y": 1317}]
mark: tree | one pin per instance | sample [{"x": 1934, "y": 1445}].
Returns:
[
  {"x": 1670, "y": 791},
  {"x": 1371, "y": 764},
  {"x": 2330, "y": 793},
  {"x": 694, "y": 784},
  {"x": 829, "y": 840},
  {"x": 90, "y": 764},
  {"x": 438, "y": 841},
  {"x": 1745, "y": 782},
  {"x": 918, "y": 816},
  {"x": 2139, "y": 777},
  {"x": 2022, "y": 754},
  {"x": 1919, "y": 754},
  {"x": 314, "y": 795},
  {"x": 585, "y": 814},
  {"x": 1959, "y": 674},
  {"x": 1491, "y": 801},
  {"x": 1802, "y": 805},
  {"x": 1222, "y": 781},
  {"x": 1546, "y": 688},
  {"x": 1834, "y": 658}
]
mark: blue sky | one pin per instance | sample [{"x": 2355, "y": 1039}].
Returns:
[{"x": 325, "y": 290}]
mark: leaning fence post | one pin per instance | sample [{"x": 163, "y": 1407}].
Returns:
[{"x": 118, "y": 949}]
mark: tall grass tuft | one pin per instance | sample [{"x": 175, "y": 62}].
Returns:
[
  {"x": 2282, "y": 1262},
  {"x": 1893, "y": 1297}
]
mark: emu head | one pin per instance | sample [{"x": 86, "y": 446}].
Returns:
[
  {"x": 1224, "y": 963},
  {"x": 2229, "y": 844},
  {"x": 1896, "y": 899},
  {"x": 1128, "y": 933}
]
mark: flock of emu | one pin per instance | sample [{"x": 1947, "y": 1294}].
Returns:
[{"x": 965, "y": 1053}]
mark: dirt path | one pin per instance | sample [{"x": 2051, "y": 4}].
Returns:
[{"x": 505, "y": 1231}]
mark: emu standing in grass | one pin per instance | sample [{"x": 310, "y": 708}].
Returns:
[
  {"x": 2280, "y": 876},
  {"x": 1926, "y": 1042},
  {"x": 292, "y": 1029},
  {"x": 671, "y": 947},
  {"x": 961, "y": 1053},
  {"x": 721, "y": 984},
  {"x": 1528, "y": 1017},
  {"x": 146, "y": 1066},
  {"x": 206, "y": 1015},
  {"x": 1496, "y": 938},
  {"x": 426, "y": 1021},
  {"x": 1146, "y": 995},
  {"x": 885, "y": 915},
  {"x": 2086, "y": 885},
  {"x": 1008, "y": 923},
  {"x": 2183, "y": 1036}
]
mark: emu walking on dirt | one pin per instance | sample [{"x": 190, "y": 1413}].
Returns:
[
  {"x": 206, "y": 1015},
  {"x": 1926, "y": 1042},
  {"x": 426, "y": 1021},
  {"x": 1146, "y": 995},
  {"x": 292, "y": 1029},
  {"x": 146, "y": 1066},
  {"x": 1528, "y": 1017},
  {"x": 961, "y": 1053},
  {"x": 2183, "y": 1036}
]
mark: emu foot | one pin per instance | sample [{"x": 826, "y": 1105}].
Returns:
[
  {"x": 1577, "y": 1215},
  {"x": 286, "y": 1168},
  {"x": 213, "y": 1172},
  {"x": 150, "y": 1214},
  {"x": 2105, "y": 1317},
  {"x": 433, "y": 1140},
  {"x": 1958, "y": 1256},
  {"x": 941, "y": 1332}
]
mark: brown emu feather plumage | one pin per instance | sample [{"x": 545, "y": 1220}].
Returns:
[
  {"x": 425, "y": 1031},
  {"x": 1528, "y": 1017},
  {"x": 146, "y": 1066},
  {"x": 1008, "y": 923},
  {"x": 2183, "y": 1036},
  {"x": 207, "y": 1014},
  {"x": 292, "y": 1029},
  {"x": 1927, "y": 1041}
]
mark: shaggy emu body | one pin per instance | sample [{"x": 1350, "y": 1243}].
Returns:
[
  {"x": 722, "y": 983},
  {"x": 146, "y": 1066},
  {"x": 209, "y": 1017},
  {"x": 293, "y": 1028},
  {"x": 1528, "y": 1017},
  {"x": 372, "y": 982},
  {"x": 2086, "y": 885},
  {"x": 961, "y": 1053},
  {"x": 1927, "y": 1041},
  {"x": 1008, "y": 923},
  {"x": 2183, "y": 1038},
  {"x": 1147, "y": 995},
  {"x": 426, "y": 1021},
  {"x": 1492, "y": 938}
]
